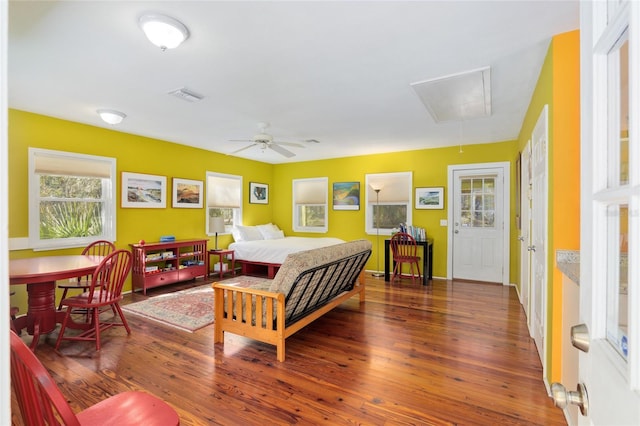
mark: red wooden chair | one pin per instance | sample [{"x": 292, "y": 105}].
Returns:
[
  {"x": 42, "y": 403},
  {"x": 96, "y": 248},
  {"x": 105, "y": 291},
  {"x": 405, "y": 250},
  {"x": 13, "y": 311}
]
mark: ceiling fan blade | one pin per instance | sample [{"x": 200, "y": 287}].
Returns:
[
  {"x": 242, "y": 149},
  {"x": 282, "y": 151},
  {"x": 297, "y": 145},
  {"x": 240, "y": 140}
]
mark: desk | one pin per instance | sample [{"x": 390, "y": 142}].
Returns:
[
  {"x": 40, "y": 275},
  {"x": 427, "y": 260},
  {"x": 221, "y": 253}
]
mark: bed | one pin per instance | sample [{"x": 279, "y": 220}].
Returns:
[{"x": 261, "y": 249}]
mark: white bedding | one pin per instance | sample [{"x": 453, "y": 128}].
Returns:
[{"x": 276, "y": 251}]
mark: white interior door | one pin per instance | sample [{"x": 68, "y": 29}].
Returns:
[
  {"x": 525, "y": 228},
  {"x": 538, "y": 247},
  {"x": 610, "y": 211},
  {"x": 479, "y": 227}
]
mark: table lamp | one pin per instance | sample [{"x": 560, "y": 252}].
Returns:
[{"x": 216, "y": 225}]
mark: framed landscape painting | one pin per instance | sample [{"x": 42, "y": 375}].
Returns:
[
  {"x": 144, "y": 191},
  {"x": 346, "y": 196},
  {"x": 430, "y": 198},
  {"x": 187, "y": 193}
]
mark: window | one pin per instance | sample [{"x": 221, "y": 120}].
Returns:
[
  {"x": 224, "y": 198},
  {"x": 310, "y": 200},
  {"x": 477, "y": 202},
  {"x": 71, "y": 199},
  {"x": 391, "y": 205}
]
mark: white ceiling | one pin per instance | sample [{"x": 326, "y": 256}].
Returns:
[{"x": 335, "y": 71}]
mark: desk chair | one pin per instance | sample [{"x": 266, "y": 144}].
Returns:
[
  {"x": 405, "y": 250},
  {"x": 41, "y": 401}
]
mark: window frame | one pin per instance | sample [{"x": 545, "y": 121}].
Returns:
[
  {"x": 108, "y": 199},
  {"x": 324, "y": 181},
  {"x": 386, "y": 179}
]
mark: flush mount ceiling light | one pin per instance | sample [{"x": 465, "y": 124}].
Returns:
[
  {"x": 163, "y": 31},
  {"x": 111, "y": 116}
]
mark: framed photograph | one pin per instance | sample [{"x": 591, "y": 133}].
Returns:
[
  {"x": 346, "y": 195},
  {"x": 187, "y": 193},
  {"x": 258, "y": 193},
  {"x": 430, "y": 198},
  {"x": 144, "y": 191}
]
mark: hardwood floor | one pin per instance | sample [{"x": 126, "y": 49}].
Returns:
[{"x": 449, "y": 353}]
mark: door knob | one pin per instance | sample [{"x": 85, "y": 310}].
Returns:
[
  {"x": 531, "y": 248},
  {"x": 456, "y": 231},
  {"x": 562, "y": 397},
  {"x": 580, "y": 337}
]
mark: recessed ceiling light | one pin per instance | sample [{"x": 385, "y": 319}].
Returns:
[
  {"x": 163, "y": 31},
  {"x": 111, "y": 116}
]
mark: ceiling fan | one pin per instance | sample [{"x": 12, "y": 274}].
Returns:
[{"x": 265, "y": 141}]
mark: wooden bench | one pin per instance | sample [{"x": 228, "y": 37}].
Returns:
[{"x": 308, "y": 285}]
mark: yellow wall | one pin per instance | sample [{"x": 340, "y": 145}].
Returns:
[
  {"x": 559, "y": 87},
  {"x": 133, "y": 154},
  {"x": 151, "y": 156},
  {"x": 429, "y": 168}
]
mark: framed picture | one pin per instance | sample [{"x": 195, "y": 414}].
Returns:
[
  {"x": 187, "y": 193},
  {"x": 346, "y": 195},
  {"x": 258, "y": 193},
  {"x": 430, "y": 198},
  {"x": 144, "y": 191}
]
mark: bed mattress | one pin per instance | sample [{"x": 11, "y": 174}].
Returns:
[{"x": 276, "y": 251}]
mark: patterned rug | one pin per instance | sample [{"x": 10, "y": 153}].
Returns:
[{"x": 188, "y": 310}]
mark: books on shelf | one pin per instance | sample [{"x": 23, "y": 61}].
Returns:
[{"x": 418, "y": 234}]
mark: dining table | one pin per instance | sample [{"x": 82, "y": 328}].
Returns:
[{"x": 40, "y": 274}]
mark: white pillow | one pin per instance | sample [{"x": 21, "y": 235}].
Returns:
[
  {"x": 237, "y": 235},
  {"x": 274, "y": 235},
  {"x": 267, "y": 230},
  {"x": 250, "y": 233}
]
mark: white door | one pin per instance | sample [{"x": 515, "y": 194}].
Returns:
[
  {"x": 478, "y": 239},
  {"x": 609, "y": 368},
  {"x": 525, "y": 228},
  {"x": 538, "y": 247}
]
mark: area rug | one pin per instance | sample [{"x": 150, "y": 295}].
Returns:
[{"x": 188, "y": 310}]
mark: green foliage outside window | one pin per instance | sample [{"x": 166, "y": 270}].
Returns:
[
  {"x": 311, "y": 216},
  {"x": 70, "y": 207},
  {"x": 390, "y": 215}
]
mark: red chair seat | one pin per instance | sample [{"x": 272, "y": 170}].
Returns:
[{"x": 130, "y": 408}]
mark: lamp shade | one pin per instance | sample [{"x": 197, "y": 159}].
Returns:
[
  {"x": 163, "y": 31},
  {"x": 216, "y": 225}
]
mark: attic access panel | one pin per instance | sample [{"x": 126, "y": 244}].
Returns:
[{"x": 457, "y": 97}]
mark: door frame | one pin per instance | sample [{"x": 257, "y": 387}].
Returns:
[
  {"x": 506, "y": 211},
  {"x": 525, "y": 229}
]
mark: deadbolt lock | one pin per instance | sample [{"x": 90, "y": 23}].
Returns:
[{"x": 580, "y": 337}]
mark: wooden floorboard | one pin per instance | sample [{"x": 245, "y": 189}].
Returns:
[{"x": 449, "y": 353}]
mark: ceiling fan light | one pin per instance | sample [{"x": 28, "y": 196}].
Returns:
[
  {"x": 111, "y": 116},
  {"x": 163, "y": 31}
]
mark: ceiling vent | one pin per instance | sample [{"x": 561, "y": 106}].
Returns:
[
  {"x": 457, "y": 97},
  {"x": 186, "y": 95}
]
